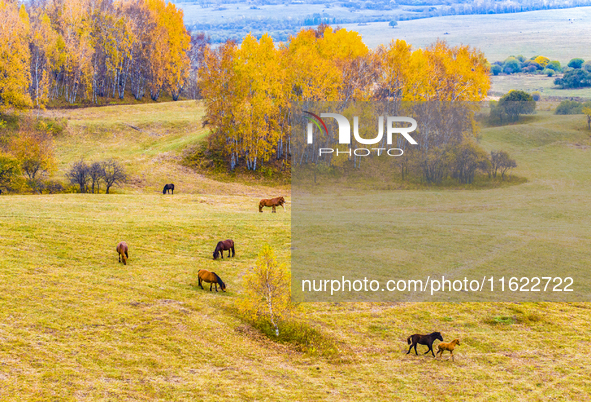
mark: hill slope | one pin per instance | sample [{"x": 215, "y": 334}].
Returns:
[
  {"x": 76, "y": 325},
  {"x": 149, "y": 139}
]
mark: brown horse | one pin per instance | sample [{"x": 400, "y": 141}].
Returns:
[
  {"x": 223, "y": 246},
  {"x": 211, "y": 278},
  {"x": 272, "y": 202},
  {"x": 448, "y": 346},
  {"x": 122, "y": 251},
  {"x": 423, "y": 340}
]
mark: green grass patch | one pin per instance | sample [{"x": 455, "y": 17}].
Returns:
[{"x": 500, "y": 320}]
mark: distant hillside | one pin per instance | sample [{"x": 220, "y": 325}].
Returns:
[
  {"x": 234, "y": 19},
  {"x": 149, "y": 140}
]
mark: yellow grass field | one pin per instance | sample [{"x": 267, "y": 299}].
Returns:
[{"x": 75, "y": 325}]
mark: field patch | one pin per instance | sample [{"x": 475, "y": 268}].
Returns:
[
  {"x": 77, "y": 325},
  {"x": 546, "y": 32}
]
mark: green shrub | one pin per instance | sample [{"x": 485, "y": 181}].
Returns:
[
  {"x": 536, "y": 95},
  {"x": 496, "y": 69},
  {"x": 554, "y": 65},
  {"x": 510, "y": 106},
  {"x": 501, "y": 320},
  {"x": 571, "y": 107},
  {"x": 531, "y": 63},
  {"x": 511, "y": 66},
  {"x": 549, "y": 72},
  {"x": 576, "y": 63},
  {"x": 575, "y": 78}
]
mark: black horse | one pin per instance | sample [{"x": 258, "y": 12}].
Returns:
[
  {"x": 167, "y": 188},
  {"x": 223, "y": 246},
  {"x": 423, "y": 340}
]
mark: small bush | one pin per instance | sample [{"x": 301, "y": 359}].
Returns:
[
  {"x": 530, "y": 63},
  {"x": 549, "y": 72},
  {"x": 305, "y": 337},
  {"x": 9, "y": 172},
  {"x": 52, "y": 187},
  {"x": 536, "y": 95},
  {"x": 569, "y": 107},
  {"x": 554, "y": 65},
  {"x": 500, "y": 161},
  {"x": 511, "y": 66},
  {"x": 510, "y": 106},
  {"x": 542, "y": 61},
  {"x": 496, "y": 69},
  {"x": 55, "y": 127}
]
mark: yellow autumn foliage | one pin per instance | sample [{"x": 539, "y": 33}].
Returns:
[
  {"x": 267, "y": 287},
  {"x": 15, "y": 77},
  {"x": 248, "y": 89}
]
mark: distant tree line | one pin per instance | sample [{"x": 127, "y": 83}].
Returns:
[
  {"x": 280, "y": 28},
  {"x": 533, "y": 65},
  {"x": 576, "y": 74}
]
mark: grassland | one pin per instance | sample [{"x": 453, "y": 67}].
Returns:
[
  {"x": 76, "y": 325},
  {"x": 547, "y": 32},
  {"x": 540, "y": 228},
  {"x": 502, "y": 84}
]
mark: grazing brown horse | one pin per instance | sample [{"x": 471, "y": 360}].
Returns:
[
  {"x": 448, "y": 346},
  {"x": 423, "y": 340},
  {"x": 122, "y": 250},
  {"x": 223, "y": 246},
  {"x": 211, "y": 278},
  {"x": 167, "y": 188},
  {"x": 272, "y": 202}
]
